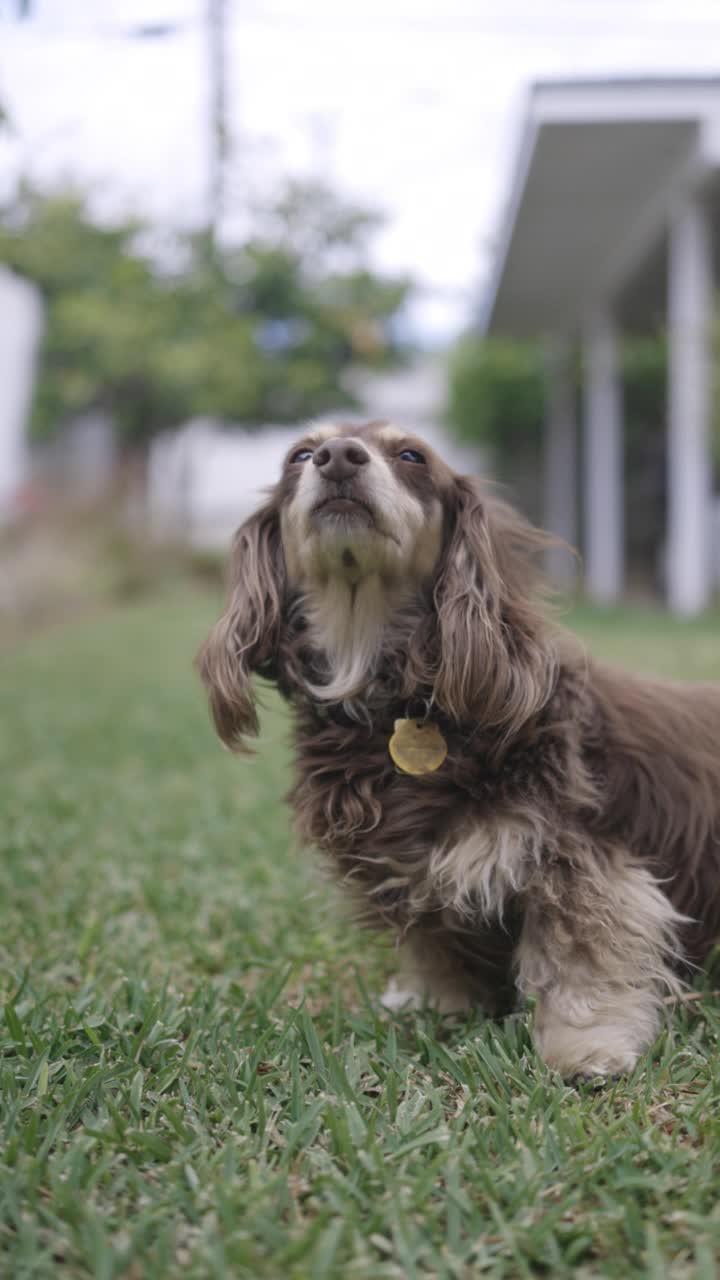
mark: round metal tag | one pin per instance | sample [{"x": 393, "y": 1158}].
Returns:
[{"x": 417, "y": 747}]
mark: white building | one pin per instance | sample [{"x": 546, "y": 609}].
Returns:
[{"x": 614, "y": 216}]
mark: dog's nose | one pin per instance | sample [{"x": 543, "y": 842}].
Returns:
[{"x": 339, "y": 458}]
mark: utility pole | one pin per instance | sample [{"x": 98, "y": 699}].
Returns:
[{"x": 217, "y": 31}]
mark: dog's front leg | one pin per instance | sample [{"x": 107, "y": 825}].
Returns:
[
  {"x": 452, "y": 972},
  {"x": 596, "y": 952},
  {"x": 429, "y": 976}
]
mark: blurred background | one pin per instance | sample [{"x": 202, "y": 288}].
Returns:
[{"x": 497, "y": 224}]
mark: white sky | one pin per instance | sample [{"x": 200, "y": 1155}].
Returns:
[{"x": 412, "y": 105}]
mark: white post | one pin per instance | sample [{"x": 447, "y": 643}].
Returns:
[
  {"x": 560, "y": 463},
  {"x": 689, "y": 468},
  {"x": 604, "y": 523}
]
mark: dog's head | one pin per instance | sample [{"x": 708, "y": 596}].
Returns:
[
  {"x": 364, "y": 523},
  {"x": 358, "y": 502}
]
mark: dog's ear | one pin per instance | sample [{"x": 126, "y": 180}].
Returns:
[
  {"x": 246, "y": 637},
  {"x": 495, "y": 661}
]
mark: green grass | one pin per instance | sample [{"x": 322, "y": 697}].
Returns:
[{"x": 195, "y": 1076}]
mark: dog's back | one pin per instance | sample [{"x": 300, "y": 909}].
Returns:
[{"x": 656, "y": 751}]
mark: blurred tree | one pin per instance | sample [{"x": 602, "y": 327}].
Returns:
[
  {"x": 304, "y": 273},
  {"x": 258, "y": 332},
  {"x": 496, "y": 394},
  {"x": 316, "y": 226},
  {"x": 496, "y": 400}
]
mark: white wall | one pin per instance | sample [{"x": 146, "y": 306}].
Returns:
[
  {"x": 80, "y": 460},
  {"x": 204, "y": 479},
  {"x": 21, "y": 323}
]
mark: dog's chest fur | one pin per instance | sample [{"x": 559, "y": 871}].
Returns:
[{"x": 448, "y": 852}]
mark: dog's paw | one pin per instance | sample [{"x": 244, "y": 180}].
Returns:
[
  {"x": 395, "y": 997},
  {"x": 602, "y": 1071},
  {"x": 587, "y": 1057},
  {"x": 441, "y": 999}
]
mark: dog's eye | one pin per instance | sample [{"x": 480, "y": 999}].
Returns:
[
  {"x": 411, "y": 455},
  {"x": 302, "y": 455}
]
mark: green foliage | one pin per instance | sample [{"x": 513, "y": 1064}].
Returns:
[
  {"x": 644, "y": 376},
  {"x": 496, "y": 393},
  {"x": 497, "y": 397},
  {"x": 196, "y": 1077},
  {"x": 258, "y": 332},
  {"x": 317, "y": 227}
]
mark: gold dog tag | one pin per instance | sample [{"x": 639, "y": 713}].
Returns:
[{"x": 417, "y": 747}]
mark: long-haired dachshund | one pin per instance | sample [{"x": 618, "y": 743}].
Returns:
[{"x": 524, "y": 818}]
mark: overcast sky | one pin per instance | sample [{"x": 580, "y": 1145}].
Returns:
[{"x": 412, "y": 105}]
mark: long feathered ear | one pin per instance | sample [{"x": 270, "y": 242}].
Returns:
[
  {"x": 496, "y": 659},
  {"x": 245, "y": 638}
]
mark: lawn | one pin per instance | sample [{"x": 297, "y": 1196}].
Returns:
[{"x": 196, "y": 1078}]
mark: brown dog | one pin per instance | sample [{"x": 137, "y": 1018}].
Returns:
[{"x": 526, "y": 819}]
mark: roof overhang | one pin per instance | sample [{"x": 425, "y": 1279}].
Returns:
[{"x": 599, "y": 165}]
